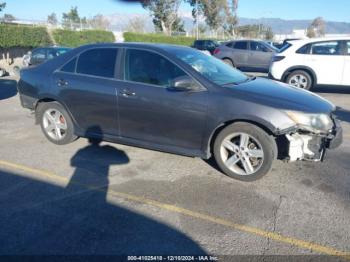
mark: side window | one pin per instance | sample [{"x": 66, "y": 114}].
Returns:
[
  {"x": 70, "y": 66},
  {"x": 326, "y": 48},
  {"x": 304, "y": 50},
  {"x": 150, "y": 68},
  {"x": 256, "y": 46},
  {"x": 98, "y": 62},
  {"x": 348, "y": 48},
  {"x": 231, "y": 44},
  {"x": 39, "y": 54},
  {"x": 241, "y": 45}
]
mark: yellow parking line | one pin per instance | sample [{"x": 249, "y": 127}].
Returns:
[{"x": 219, "y": 221}]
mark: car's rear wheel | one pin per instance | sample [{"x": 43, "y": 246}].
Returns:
[
  {"x": 244, "y": 151},
  {"x": 301, "y": 79},
  {"x": 56, "y": 123},
  {"x": 228, "y": 62}
]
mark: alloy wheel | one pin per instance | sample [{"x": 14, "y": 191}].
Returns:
[
  {"x": 242, "y": 154},
  {"x": 299, "y": 80},
  {"x": 55, "y": 124}
]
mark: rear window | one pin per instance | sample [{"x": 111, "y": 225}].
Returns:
[
  {"x": 70, "y": 66},
  {"x": 304, "y": 50},
  {"x": 98, "y": 62},
  {"x": 241, "y": 45},
  {"x": 285, "y": 47}
]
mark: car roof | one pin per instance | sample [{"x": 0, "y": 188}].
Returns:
[
  {"x": 152, "y": 46},
  {"x": 52, "y": 47},
  {"x": 313, "y": 40}
]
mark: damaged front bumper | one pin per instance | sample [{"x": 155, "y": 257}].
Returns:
[{"x": 304, "y": 145}]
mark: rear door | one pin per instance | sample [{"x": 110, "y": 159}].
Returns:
[
  {"x": 327, "y": 60},
  {"x": 260, "y": 56},
  {"x": 346, "y": 71},
  {"x": 87, "y": 86},
  {"x": 240, "y": 53}
]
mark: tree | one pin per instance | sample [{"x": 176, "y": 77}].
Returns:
[
  {"x": 99, "y": 22},
  {"x": 72, "y": 19},
  {"x": 2, "y": 6},
  {"x": 164, "y": 13},
  {"x": 214, "y": 11},
  {"x": 231, "y": 17},
  {"x": 136, "y": 25},
  {"x": 52, "y": 19},
  {"x": 269, "y": 35},
  {"x": 317, "y": 28},
  {"x": 9, "y": 18}
]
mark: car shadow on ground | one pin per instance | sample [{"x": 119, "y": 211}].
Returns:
[
  {"x": 332, "y": 89},
  {"x": 8, "y": 88},
  {"x": 46, "y": 219}
]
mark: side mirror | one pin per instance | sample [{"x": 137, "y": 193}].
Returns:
[{"x": 184, "y": 83}]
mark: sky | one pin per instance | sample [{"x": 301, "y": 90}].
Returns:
[{"x": 335, "y": 10}]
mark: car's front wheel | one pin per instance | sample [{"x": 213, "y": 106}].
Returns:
[
  {"x": 56, "y": 123},
  {"x": 244, "y": 151}
]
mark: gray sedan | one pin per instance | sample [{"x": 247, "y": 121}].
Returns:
[{"x": 247, "y": 55}]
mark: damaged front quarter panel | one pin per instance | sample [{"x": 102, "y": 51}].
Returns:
[{"x": 301, "y": 144}]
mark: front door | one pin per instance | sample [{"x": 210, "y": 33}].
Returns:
[
  {"x": 346, "y": 71},
  {"x": 90, "y": 90},
  {"x": 152, "y": 112}
]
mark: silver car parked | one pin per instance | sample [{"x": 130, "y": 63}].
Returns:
[{"x": 247, "y": 55}]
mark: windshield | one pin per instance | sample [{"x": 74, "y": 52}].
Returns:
[{"x": 211, "y": 68}]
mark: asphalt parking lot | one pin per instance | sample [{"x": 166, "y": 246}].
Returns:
[{"x": 110, "y": 199}]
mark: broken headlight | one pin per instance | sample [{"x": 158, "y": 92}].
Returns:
[{"x": 316, "y": 123}]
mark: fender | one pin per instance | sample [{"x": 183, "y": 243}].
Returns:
[
  {"x": 300, "y": 67},
  {"x": 51, "y": 97},
  {"x": 212, "y": 133}
]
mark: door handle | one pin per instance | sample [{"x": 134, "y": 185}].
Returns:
[
  {"x": 62, "y": 83},
  {"x": 128, "y": 93}
]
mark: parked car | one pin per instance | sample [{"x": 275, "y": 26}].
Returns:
[
  {"x": 306, "y": 63},
  {"x": 43, "y": 54},
  {"x": 179, "y": 100},
  {"x": 247, "y": 55},
  {"x": 206, "y": 45},
  {"x": 2, "y": 72}
]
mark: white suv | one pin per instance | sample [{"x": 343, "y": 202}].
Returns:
[{"x": 306, "y": 63}]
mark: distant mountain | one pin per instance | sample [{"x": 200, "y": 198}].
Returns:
[{"x": 279, "y": 26}]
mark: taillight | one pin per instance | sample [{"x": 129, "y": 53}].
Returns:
[
  {"x": 216, "y": 51},
  {"x": 278, "y": 58}
]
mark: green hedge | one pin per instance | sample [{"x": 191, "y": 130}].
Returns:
[
  {"x": 23, "y": 36},
  {"x": 77, "y": 38},
  {"x": 157, "y": 38}
]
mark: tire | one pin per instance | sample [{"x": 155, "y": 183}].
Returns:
[
  {"x": 259, "y": 142},
  {"x": 53, "y": 117},
  {"x": 228, "y": 62},
  {"x": 301, "y": 79}
]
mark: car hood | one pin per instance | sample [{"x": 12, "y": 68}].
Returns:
[{"x": 279, "y": 95}]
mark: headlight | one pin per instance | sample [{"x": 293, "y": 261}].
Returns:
[{"x": 312, "y": 122}]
